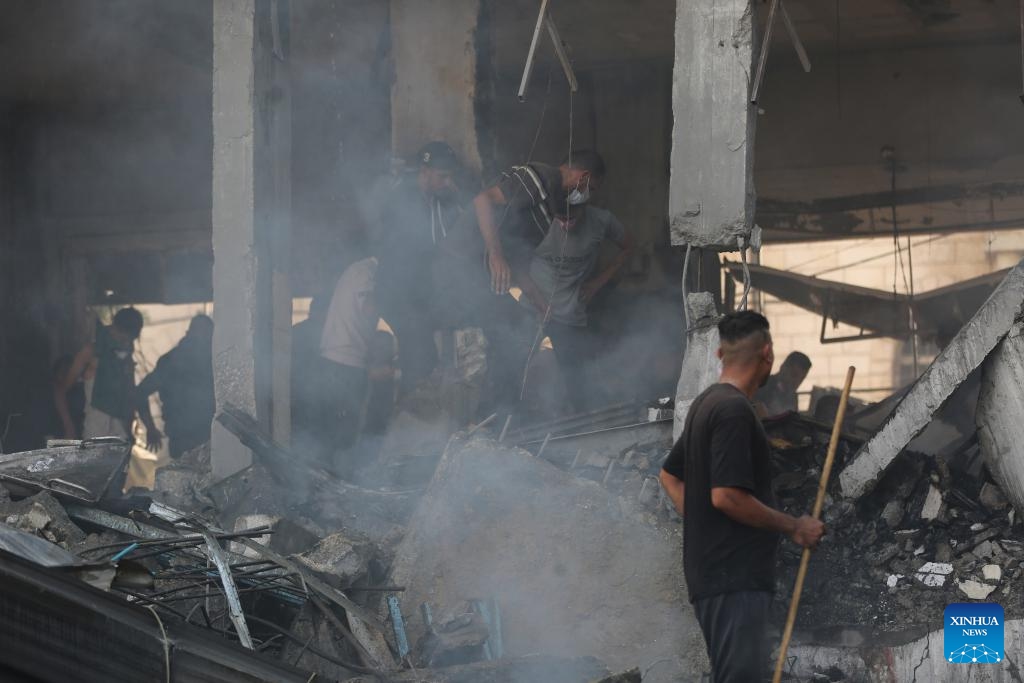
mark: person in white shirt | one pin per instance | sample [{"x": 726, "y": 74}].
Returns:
[{"x": 345, "y": 354}]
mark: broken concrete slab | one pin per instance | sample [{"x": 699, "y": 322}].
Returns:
[
  {"x": 560, "y": 555},
  {"x": 921, "y": 659},
  {"x": 951, "y": 368},
  {"x": 45, "y": 517},
  {"x": 932, "y": 504},
  {"x": 711, "y": 190},
  {"x": 975, "y": 590},
  {"x": 992, "y": 572},
  {"x": 701, "y": 366},
  {"x": 1000, "y": 406},
  {"x": 992, "y": 497},
  {"x": 338, "y": 560}
]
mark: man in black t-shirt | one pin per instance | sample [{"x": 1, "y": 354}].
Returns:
[{"x": 719, "y": 477}]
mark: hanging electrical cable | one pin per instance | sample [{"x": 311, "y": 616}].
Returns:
[{"x": 539, "y": 337}]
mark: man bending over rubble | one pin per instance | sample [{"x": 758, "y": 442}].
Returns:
[{"x": 719, "y": 476}]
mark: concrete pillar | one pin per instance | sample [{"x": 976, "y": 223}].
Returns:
[
  {"x": 433, "y": 45},
  {"x": 711, "y": 192},
  {"x": 251, "y": 219},
  {"x": 701, "y": 366}
]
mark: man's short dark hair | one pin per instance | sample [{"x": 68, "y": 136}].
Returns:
[
  {"x": 798, "y": 359},
  {"x": 738, "y": 325},
  {"x": 129, "y": 321},
  {"x": 586, "y": 160}
]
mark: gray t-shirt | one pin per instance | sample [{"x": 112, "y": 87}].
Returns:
[{"x": 559, "y": 270}]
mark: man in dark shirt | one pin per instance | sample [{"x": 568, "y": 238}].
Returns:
[
  {"x": 778, "y": 395},
  {"x": 184, "y": 379},
  {"x": 411, "y": 214},
  {"x": 719, "y": 477},
  {"x": 514, "y": 214}
]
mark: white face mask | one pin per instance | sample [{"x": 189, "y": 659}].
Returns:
[
  {"x": 121, "y": 354},
  {"x": 577, "y": 197}
]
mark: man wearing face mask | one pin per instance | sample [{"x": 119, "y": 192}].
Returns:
[
  {"x": 411, "y": 214},
  {"x": 515, "y": 213},
  {"x": 563, "y": 277},
  {"x": 108, "y": 371}
]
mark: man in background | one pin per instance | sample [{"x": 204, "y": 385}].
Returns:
[
  {"x": 411, "y": 214},
  {"x": 107, "y": 370},
  {"x": 183, "y": 377},
  {"x": 562, "y": 279},
  {"x": 778, "y": 395},
  {"x": 719, "y": 477},
  {"x": 345, "y": 347}
]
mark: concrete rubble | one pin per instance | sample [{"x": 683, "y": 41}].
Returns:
[
  {"x": 549, "y": 564},
  {"x": 968, "y": 350},
  {"x": 1000, "y": 407},
  {"x": 490, "y": 586},
  {"x": 303, "y": 571}
]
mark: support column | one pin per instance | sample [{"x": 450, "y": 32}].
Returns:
[
  {"x": 711, "y": 192},
  {"x": 251, "y": 220},
  {"x": 433, "y": 45}
]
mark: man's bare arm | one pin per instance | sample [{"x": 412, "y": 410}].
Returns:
[
  {"x": 742, "y": 506},
  {"x": 60, "y": 390},
  {"x": 675, "y": 488},
  {"x": 148, "y": 386},
  {"x": 484, "y": 204}
]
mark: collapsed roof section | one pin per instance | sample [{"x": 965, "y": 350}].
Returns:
[
  {"x": 939, "y": 314},
  {"x": 966, "y": 352}
]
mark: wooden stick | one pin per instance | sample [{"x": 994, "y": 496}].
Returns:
[{"x": 818, "y": 503}]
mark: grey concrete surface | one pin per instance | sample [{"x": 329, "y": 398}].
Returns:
[
  {"x": 701, "y": 366},
  {"x": 575, "y": 569},
  {"x": 251, "y": 205},
  {"x": 1000, "y": 409},
  {"x": 711, "y": 191},
  {"x": 433, "y": 95}
]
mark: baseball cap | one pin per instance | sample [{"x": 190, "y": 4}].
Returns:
[{"x": 439, "y": 155}]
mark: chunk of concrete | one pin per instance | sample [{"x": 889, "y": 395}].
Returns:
[
  {"x": 560, "y": 555},
  {"x": 43, "y": 516},
  {"x": 701, "y": 366},
  {"x": 992, "y": 497},
  {"x": 711, "y": 190},
  {"x": 932, "y": 504},
  {"x": 975, "y": 590},
  {"x": 892, "y": 515},
  {"x": 338, "y": 560},
  {"x": 992, "y": 572},
  {"x": 923, "y": 659},
  {"x": 1000, "y": 429},
  {"x": 968, "y": 350}
]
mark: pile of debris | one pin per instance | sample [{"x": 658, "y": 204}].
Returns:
[
  {"x": 289, "y": 568},
  {"x": 933, "y": 532}
]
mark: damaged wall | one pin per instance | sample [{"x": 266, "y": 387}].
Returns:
[{"x": 433, "y": 46}]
